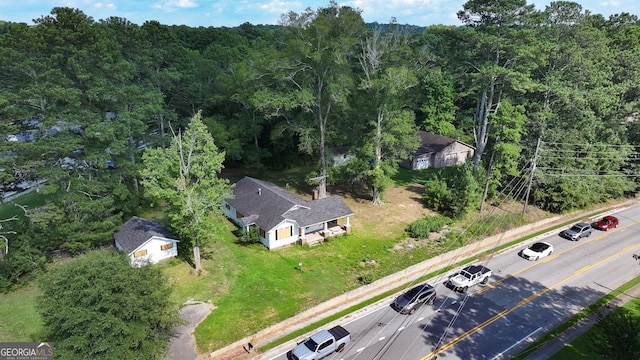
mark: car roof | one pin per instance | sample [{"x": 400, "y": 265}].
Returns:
[
  {"x": 424, "y": 286},
  {"x": 540, "y": 245},
  {"x": 420, "y": 288}
]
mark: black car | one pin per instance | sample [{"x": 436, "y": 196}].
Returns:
[{"x": 410, "y": 301}]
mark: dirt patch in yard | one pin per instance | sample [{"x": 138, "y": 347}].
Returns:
[{"x": 401, "y": 207}]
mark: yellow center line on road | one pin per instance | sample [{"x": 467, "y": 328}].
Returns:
[
  {"x": 519, "y": 304},
  {"x": 552, "y": 257}
]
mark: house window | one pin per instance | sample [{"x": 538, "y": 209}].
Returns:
[
  {"x": 262, "y": 233},
  {"x": 140, "y": 253},
  {"x": 166, "y": 246},
  {"x": 226, "y": 204},
  {"x": 239, "y": 214},
  {"x": 284, "y": 233}
]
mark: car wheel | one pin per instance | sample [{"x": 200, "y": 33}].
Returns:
[
  {"x": 340, "y": 348},
  {"x": 413, "y": 309},
  {"x": 536, "y": 258},
  {"x": 432, "y": 300},
  {"x": 485, "y": 280},
  {"x": 465, "y": 289}
]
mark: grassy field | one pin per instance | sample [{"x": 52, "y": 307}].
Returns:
[
  {"x": 30, "y": 200},
  {"x": 19, "y": 319}
]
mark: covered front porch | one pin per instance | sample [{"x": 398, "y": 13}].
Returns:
[{"x": 314, "y": 235}]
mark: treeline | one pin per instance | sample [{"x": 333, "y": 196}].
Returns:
[{"x": 561, "y": 85}]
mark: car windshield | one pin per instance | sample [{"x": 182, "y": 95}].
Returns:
[
  {"x": 312, "y": 345},
  {"x": 576, "y": 228},
  {"x": 411, "y": 294},
  {"x": 466, "y": 274},
  {"x": 538, "y": 247}
]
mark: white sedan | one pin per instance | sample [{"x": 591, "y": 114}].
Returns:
[{"x": 537, "y": 250}]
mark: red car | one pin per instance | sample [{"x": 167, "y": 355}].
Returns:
[{"x": 606, "y": 223}]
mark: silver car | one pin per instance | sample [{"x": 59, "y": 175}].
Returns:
[
  {"x": 577, "y": 231},
  {"x": 411, "y": 300}
]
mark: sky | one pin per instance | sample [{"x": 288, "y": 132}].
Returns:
[{"x": 231, "y": 13}]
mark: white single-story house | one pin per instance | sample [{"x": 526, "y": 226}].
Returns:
[
  {"x": 281, "y": 218},
  {"x": 145, "y": 241},
  {"x": 437, "y": 151}
]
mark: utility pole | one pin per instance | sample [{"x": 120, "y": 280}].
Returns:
[{"x": 533, "y": 169}]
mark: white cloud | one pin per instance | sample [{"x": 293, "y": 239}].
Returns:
[
  {"x": 172, "y": 5},
  {"x": 109, "y": 6}
]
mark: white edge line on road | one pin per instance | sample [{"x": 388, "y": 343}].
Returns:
[
  {"x": 365, "y": 314},
  {"x": 499, "y": 356}
]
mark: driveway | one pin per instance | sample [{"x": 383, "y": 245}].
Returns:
[{"x": 182, "y": 345}]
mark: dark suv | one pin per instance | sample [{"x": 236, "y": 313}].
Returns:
[
  {"x": 410, "y": 301},
  {"x": 577, "y": 231}
]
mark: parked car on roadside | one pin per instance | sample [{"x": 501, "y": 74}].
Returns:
[
  {"x": 577, "y": 231},
  {"x": 413, "y": 299},
  {"x": 606, "y": 223},
  {"x": 537, "y": 251}
]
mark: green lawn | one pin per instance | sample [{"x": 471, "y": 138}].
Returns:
[
  {"x": 19, "y": 319},
  {"x": 271, "y": 286},
  {"x": 30, "y": 200}
]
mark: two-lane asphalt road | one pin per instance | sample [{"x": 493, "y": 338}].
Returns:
[{"x": 523, "y": 300}]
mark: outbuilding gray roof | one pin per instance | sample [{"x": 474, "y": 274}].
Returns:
[
  {"x": 267, "y": 205},
  {"x": 432, "y": 143},
  {"x": 136, "y": 231}
]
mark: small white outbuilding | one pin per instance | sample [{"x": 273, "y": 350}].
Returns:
[{"x": 145, "y": 241}]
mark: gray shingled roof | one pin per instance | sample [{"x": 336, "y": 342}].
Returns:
[
  {"x": 432, "y": 143},
  {"x": 136, "y": 231},
  {"x": 268, "y": 205}
]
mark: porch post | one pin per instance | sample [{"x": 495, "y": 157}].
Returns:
[{"x": 347, "y": 226}]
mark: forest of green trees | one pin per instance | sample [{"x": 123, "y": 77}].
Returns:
[{"x": 89, "y": 96}]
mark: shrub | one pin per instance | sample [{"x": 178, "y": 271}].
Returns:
[
  {"x": 454, "y": 192},
  {"x": 420, "y": 229},
  {"x": 248, "y": 237}
]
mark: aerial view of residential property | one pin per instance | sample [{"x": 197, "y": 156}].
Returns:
[{"x": 414, "y": 180}]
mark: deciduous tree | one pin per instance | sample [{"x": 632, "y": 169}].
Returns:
[
  {"x": 390, "y": 135},
  {"x": 185, "y": 176},
  {"x": 312, "y": 77}
]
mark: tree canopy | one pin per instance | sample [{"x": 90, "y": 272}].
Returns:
[
  {"x": 96, "y": 306},
  {"x": 185, "y": 176}
]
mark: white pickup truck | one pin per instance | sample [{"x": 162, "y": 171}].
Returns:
[
  {"x": 321, "y": 344},
  {"x": 469, "y": 276}
]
